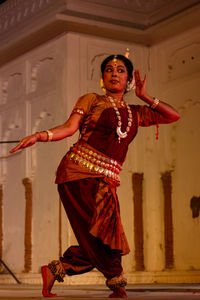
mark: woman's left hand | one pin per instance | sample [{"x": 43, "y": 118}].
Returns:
[{"x": 140, "y": 85}]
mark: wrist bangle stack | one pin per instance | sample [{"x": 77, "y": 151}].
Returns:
[
  {"x": 49, "y": 135},
  {"x": 155, "y": 103}
]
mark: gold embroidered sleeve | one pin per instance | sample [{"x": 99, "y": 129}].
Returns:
[{"x": 83, "y": 104}]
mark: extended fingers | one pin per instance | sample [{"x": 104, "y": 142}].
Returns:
[
  {"x": 20, "y": 145},
  {"x": 26, "y": 142},
  {"x": 15, "y": 148},
  {"x": 138, "y": 77}
]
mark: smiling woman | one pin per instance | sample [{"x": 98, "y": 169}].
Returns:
[{"x": 88, "y": 174}]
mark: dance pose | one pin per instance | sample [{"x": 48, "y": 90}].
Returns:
[{"x": 88, "y": 174}]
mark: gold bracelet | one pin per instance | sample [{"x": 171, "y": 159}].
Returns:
[
  {"x": 49, "y": 135},
  {"x": 155, "y": 103}
]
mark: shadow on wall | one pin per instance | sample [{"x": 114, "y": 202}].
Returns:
[{"x": 195, "y": 206}]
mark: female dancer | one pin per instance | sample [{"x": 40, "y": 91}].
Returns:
[{"x": 88, "y": 174}]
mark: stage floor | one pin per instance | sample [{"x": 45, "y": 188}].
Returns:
[{"x": 140, "y": 292}]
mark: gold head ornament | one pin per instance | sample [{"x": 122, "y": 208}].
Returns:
[
  {"x": 127, "y": 53},
  {"x": 115, "y": 59}
]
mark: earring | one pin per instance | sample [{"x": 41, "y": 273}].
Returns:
[
  {"x": 102, "y": 85},
  {"x": 130, "y": 85}
]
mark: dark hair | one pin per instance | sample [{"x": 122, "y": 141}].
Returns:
[{"x": 126, "y": 61}]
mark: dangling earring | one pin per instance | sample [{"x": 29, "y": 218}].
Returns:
[
  {"x": 102, "y": 85},
  {"x": 130, "y": 85}
]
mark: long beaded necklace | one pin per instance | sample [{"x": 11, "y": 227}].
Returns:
[{"x": 121, "y": 135}]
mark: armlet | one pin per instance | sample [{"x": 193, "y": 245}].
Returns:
[{"x": 78, "y": 111}]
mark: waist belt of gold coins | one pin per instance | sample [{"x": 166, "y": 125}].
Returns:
[{"x": 95, "y": 162}]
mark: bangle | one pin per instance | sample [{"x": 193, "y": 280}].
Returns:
[
  {"x": 155, "y": 103},
  {"x": 49, "y": 135}
]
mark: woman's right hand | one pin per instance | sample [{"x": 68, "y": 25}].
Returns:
[{"x": 27, "y": 142}]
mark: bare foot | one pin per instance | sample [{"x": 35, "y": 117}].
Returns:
[
  {"x": 118, "y": 293},
  {"x": 48, "y": 281}
]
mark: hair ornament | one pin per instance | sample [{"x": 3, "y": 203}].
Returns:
[
  {"x": 130, "y": 85},
  {"x": 115, "y": 58},
  {"x": 127, "y": 53}
]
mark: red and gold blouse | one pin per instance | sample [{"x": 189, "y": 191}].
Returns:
[{"x": 98, "y": 135}]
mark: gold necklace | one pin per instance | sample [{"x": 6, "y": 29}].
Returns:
[{"x": 121, "y": 135}]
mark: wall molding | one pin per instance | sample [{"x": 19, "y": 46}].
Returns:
[{"x": 25, "y": 25}]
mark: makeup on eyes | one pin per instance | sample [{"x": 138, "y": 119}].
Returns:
[{"x": 120, "y": 68}]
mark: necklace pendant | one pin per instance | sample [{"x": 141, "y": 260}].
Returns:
[{"x": 120, "y": 133}]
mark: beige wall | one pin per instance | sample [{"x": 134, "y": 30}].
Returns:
[
  {"x": 178, "y": 81},
  {"x": 38, "y": 91}
]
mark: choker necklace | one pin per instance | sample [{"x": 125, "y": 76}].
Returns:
[{"x": 121, "y": 135}]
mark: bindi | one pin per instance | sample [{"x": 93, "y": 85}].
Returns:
[{"x": 115, "y": 60}]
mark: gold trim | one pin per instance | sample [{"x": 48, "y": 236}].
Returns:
[{"x": 96, "y": 162}]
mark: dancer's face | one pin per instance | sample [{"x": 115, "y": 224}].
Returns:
[{"x": 115, "y": 76}]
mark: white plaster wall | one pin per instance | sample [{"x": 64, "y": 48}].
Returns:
[
  {"x": 48, "y": 109},
  {"x": 176, "y": 72},
  {"x": 32, "y": 99},
  {"x": 12, "y": 125}
]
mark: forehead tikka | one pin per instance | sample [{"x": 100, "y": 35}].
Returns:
[{"x": 115, "y": 60}]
